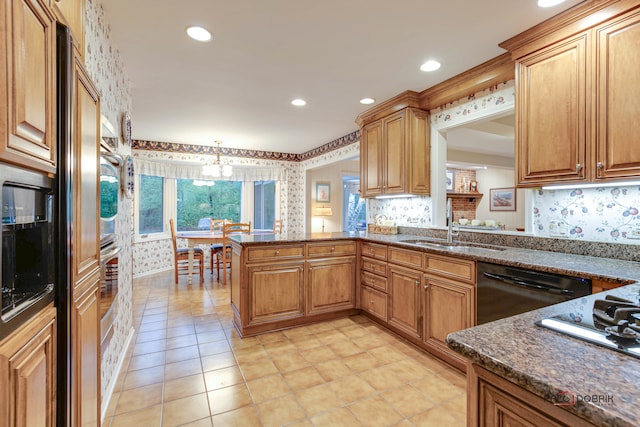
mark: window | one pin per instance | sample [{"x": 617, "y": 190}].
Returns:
[
  {"x": 197, "y": 201},
  {"x": 151, "y": 211},
  {"x": 264, "y": 204}
]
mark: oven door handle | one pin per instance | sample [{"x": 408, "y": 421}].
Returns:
[
  {"x": 108, "y": 255},
  {"x": 527, "y": 284}
]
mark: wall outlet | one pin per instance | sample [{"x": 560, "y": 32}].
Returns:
[{"x": 634, "y": 233}]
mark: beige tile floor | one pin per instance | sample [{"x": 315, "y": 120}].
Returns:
[{"x": 188, "y": 366}]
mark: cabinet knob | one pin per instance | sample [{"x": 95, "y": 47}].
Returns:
[
  {"x": 417, "y": 283},
  {"x": 426, "y": 286},
  {"x": 578, "y": 167},
  {"x": 599, "y": 165},
  {"x": 332, "y": 249},
  {"x": 277, "y": 252}
]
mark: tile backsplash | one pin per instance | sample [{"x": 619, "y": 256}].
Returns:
[
  {"x": 409, "y": 212},
  {"x": 603, "y": 214}
]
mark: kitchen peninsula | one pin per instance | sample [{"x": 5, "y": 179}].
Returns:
[{"x": 281, "y": 281}]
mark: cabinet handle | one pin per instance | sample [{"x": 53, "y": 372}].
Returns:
[
  {"x": 578, "y": 167},
  {"x": 426, "y": 286},
  {"x": 599, "y": 165},
  {"x": 417, "y": 283},
  {"x": 277, "y": 252},
  {"x": 333, "y": 249}
]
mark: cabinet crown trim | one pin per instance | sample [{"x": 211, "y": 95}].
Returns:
[{"x": 399, "y": 102}]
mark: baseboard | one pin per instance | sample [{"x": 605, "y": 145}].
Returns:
[{"x": 106, "y": 399}]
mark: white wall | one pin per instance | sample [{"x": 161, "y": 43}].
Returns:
[
  {"x": 499, "y": 178},
  {"x": 331, "y": 174}
]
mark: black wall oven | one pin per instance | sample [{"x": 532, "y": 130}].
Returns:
[{"x": 28, "y": 238}]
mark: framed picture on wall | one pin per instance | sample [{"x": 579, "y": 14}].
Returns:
[
  {"x": 450, "y": 180},
  {"x": 502, "y": 199},
  {"x": 323, "y": 192}
]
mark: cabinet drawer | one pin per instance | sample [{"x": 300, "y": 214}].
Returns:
[
  {"x": 406, "y": 257},
  {"x": 331, "y": 249},
  {"x": 373, "y": 281},
  {"x": 459, "y": 269},
  {"x": 374, "y": 302},
  {"x": 373, "y": 250},
  {"x": 275, "y": 253},
  {"x": 373, "y": 266}
]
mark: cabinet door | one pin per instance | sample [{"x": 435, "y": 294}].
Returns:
[
  {"x": 448, "y": 307},
  {"x": 419, "y": 152},
  {"x": 86, "y": 149},
  {"x": 395, "y": 169},
  {"x": 617, "y": 94},
  {"x": 331, "y": 285},
  {"x": 374, "y": 302},
  {"x": 551, "y": 115},
  {"x": 276, "y": 292},
  {"x": 27, "y": 86},
  {"x": 371, "y": 159},
  {"x": 404, "y": 293},
  {"x": 27, "y": 374},
  {"x": 71, "y": 12},
  {"x": 85, "y": 321}
]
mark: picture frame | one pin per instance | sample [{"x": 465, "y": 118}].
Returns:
[
  {"x": 450, "y": 180},
  {"x": 323, "y": 192},
  {"x": 502, "y": 199}
]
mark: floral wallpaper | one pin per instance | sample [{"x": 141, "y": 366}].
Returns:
[
  {"x": 604, "y": 214},
  {"x": 463, "y": 109},
  {"x": 107, "y": 70},
  {"x": 407, "y": 212}
]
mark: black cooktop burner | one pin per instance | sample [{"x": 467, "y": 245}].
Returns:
[{"x": 614, "y": 323}]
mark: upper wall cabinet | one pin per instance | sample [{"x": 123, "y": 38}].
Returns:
[
  {"x": 27, "y": 85},
  {"x": 577, "y": 89},
  {"x": 394, "y": 152},
  {"x": 71, "y": 13}
]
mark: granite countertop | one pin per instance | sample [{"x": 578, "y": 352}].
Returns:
[
  {"x": 546, "y": 363},
  {"x": 589, "y": 267}
]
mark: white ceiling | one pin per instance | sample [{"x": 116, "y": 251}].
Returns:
[{"x": 238, "y": 87}]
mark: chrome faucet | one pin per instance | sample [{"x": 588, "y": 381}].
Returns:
[{"x": 451, "y": 233}]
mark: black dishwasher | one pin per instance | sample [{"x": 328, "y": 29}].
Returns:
[{"x": 504, "y": 291}]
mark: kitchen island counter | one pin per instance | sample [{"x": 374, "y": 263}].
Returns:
[{"x": 604, "y": 383}]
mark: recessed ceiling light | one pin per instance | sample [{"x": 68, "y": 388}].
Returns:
[
  {"x": 367, "y": 101},
  {"x": 549, "y": 3},
  {"x": 430, "y": 65},
  {"x": 299, "y": 102},
  {"x": 199, "y": 33}
]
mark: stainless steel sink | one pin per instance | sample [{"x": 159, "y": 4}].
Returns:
[{"x": 455, "y": 246}]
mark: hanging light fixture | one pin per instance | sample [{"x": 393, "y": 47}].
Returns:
[{"x": 215, "y": 167}]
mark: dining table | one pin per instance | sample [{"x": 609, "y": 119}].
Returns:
[{"x": 194, "y": 238}]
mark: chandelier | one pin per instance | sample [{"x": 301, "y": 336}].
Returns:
[{"x": 216, "y": 167}]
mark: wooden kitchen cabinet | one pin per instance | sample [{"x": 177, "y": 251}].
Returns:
[
  {"x": 28, "y": 373},
  {"x": 449, "y": 306},
  {"x": 395, "y": 154},
  {"x": 576, "y": 115},
  {"x": 496, "y": 402},
  {"x": 331, "y": 275},
  {"x": 85, "y": 347},
  {"x": 373, "y": 280},
  {"x": 71, "y": 13},
  {"x": 330, "y": 284},
  {"x": 374, "y": 302},
  {"x": 27, "y": 85},
  {"x": 405, "y": 312},
  {"x": 277, "y": 292}
]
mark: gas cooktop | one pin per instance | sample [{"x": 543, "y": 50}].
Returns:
[{"x": 613, "y": 323}]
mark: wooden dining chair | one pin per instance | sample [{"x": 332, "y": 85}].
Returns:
[
  {"x": 215, "y": 226},
  {"x": 277, "y": 226},
  {"x": 224, "y": 255},
  {"x": 181, "y": 256}
]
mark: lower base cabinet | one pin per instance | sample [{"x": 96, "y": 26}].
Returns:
[
  {"x": 496, "y": 402},
  {"x": 404, "y": 306},
  {"x": 374, "y": 302},
  {"x": 330, "y": 285},
  {"x": 448, "y": 307},
  {"x": 277, "y": 292},
  {"x": 27, "y": 373}
]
